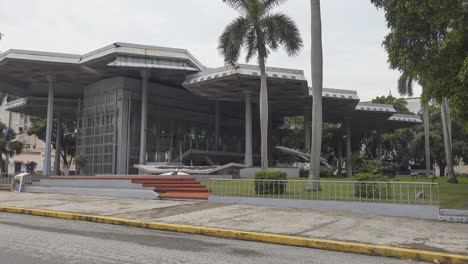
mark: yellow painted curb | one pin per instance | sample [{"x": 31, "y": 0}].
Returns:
[{"x": 359, "y": 248}]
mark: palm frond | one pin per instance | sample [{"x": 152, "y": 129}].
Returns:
[
  {"x": 409, "y": 86},
  {"x": 405, "y": 84},
  {"x": 402, "y": 83},
  {"x": 270, "y": 4},
  {"x": 239, "y": 5},
  {"x": 251, "y": 45},
  {"x": 232, "y": 39},
  {"x": 280, "y": 29}
]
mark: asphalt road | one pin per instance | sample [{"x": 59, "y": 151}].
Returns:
[{"x": 38, "y": 240}]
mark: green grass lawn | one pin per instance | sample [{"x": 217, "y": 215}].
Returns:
[{"x": 454, "y": 196}]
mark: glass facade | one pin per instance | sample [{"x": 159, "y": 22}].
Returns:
[
  {"x": 96, "y": 132},
  {"x": 180, "y": 128}
]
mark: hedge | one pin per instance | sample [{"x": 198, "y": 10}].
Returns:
[{"x": 270, "y": 182}]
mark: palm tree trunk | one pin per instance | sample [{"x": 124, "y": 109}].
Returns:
[
  {"x": 447, "y": 146},
  {"x": 426, "y": 139},
  {"x": 316, "y": 60},
  {"x": 263, "y": 113}
]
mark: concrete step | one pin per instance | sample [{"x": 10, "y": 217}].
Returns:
[
  {"x": 141, "y": 180},
  {"x": 90, "y": 183},
  {"x": 166, "y": 182},
  {"x": 5, "y": 187},
  {"x": 184, "y": 196},
  {"x": 124, "y": 193},
  {"x": 453, "y": 215},
  {"x": 186, "y": 190},
  {"x": 171, "y": 185}
]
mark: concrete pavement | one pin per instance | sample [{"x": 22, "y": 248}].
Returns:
[
  {"x": 37, "y": 240},
  {"x": 371, "y": 229}
]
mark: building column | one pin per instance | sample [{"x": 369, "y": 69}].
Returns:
[
  {"x": 339, "y": 154},
  {"x": 307, "y": 129},
  {"x": 349, "y": 166},
  {"x": 379, "y": 144},
  {"x": 50, "y": 113},
  {"x": 145, "y": 74},
  {"x": 217, "y": 124},
  {"x": 248, "y": 130},
  {"x": 58, "y": 144},
  {"x": 270, "y": 137}
]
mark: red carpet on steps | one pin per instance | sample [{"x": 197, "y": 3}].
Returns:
[{"x": 175, "y": 187}]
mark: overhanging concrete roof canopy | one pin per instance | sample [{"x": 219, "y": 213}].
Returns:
[
  {"x": 371, "y": 116},
  {"x": 37, "y": 106},
  {"x": 232, "y": 82},
  {"x": 288, "y": 92},
  {"x": 402, "y": 121},
  {"x": 23, "y": 72}
]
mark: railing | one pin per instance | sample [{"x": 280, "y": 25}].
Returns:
[
  {"x": 421, "y": 193},
  {"x": 6, "y": 178}
]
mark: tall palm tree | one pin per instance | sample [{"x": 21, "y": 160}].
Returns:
[
  {"x": 316, "y": 60},
  {"x": 446, "y": 128},
  {"x": 258, "y": 30}
]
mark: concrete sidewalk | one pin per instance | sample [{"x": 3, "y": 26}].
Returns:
[{"x": 370, "y": 229}]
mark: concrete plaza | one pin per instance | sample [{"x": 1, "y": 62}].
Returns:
[{"x": 371, "y": 229}]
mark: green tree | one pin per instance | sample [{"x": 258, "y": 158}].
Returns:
[
  {"x": 258, "y": 30},
  {"x": 68, "y": 140},
  {"x": 400, "y": 104},
  {"x": 8, "y": 146},
  {"x": 426, "y": 42}
]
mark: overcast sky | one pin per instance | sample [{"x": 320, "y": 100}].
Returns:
[{"x": 352, "y": 33}]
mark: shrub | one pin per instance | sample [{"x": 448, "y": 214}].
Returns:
[
  {"x": 326, "y": 172},
  {"x": 368, "y": 188},
  {"x": 371, "y": 166},
  {"x": 270, "y": 182}
]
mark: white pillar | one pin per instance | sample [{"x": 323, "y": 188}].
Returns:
[
  {"x": 217, "y": 124},
  {"x": 339, "y": 150},
  {"x": 307, "y": 129},
  {"x": 349, "y": 167},
  {"x": 248, "y": 130},
  {"x": 58, "y": 143},
  {"x": 50, "y": 113},
  {"x": 145, "y": 74}
]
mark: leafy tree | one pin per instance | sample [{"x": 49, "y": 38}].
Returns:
[
  {"x": 459, "y": 140},
  {"x": 258, "y": 30},
  {"x": 68, "y": 140},
  {"x": 426, "y": 42},
  {"x": 400, "y": 104},
  {"x": 8, "y": 148}
]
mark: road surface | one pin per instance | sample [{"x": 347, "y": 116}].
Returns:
[{"x": 28, "y": 239}]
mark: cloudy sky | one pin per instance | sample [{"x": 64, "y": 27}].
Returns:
[{"x": 352, "y": 33}]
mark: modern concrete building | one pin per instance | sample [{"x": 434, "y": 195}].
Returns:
[{"x": 138, "y": 104}]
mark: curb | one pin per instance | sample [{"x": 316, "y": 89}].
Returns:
[{"x": 349, "y": 247}]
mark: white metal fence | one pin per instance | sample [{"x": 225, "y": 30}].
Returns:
[
  {"x": 421, "y": 193},
  {"x": 6, "y": 178}
]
